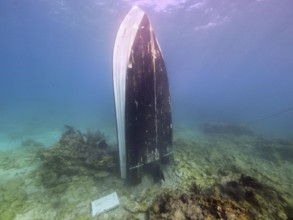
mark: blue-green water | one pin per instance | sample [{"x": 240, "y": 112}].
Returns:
[{"x": 228, "y": 62}]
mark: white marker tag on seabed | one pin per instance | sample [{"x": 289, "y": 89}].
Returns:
[{"x": 105, "y": 204}]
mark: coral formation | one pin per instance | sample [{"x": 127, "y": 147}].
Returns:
[
  {"x": 215, "y": 165},
  {"x": 212, "y": 177},
  {"x": 244, "y": 198},
  {"x": 76, "y": 154},
  {"x": 195, "y": 205}
]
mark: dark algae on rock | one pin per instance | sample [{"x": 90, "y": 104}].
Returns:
[
  {"x": 76, "y": 154},
  {"x": 195, "y": 205},
  {"x": 245, "y": 198}
]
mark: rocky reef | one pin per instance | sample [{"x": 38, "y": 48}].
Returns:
[
  {"x": 241, "y": 199},
  {"x": 225, "y": 176},
  {"x": 76, "y": 154}
]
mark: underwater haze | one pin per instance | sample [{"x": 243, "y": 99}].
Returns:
[
  {"x": 227, "y": 61},
  {"x": 230, "y": 71}
]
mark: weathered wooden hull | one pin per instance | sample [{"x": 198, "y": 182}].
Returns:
[{"x": 143, "y": 111}]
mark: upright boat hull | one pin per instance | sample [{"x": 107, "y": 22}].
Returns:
[{"x": 142, "y": 98}]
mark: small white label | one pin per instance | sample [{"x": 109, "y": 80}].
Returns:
[{"x": 105, "y": 204}]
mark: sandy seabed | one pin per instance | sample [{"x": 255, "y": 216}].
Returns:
[{"x": 206, "y": 158}]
